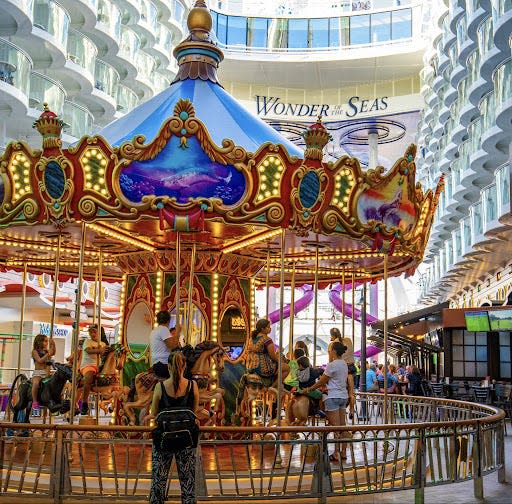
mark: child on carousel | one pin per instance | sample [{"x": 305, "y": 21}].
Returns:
[
  {"x": 41, "y": 356},
  {"x": 92, "y": 350}
]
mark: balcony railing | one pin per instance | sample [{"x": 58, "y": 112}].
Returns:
[
  {"x": 130, "y": 43},
  {"x": 78, "y": 119},
  {"x": 106, "y": 78},
  {"x": 126, "y": 99},
  {"x": 15, "y": 66},
  {"x": 44, "y": 89},
  {"x": 109, "y": 16},
  {"x": 81, "y": 50},
  {"x": 53, "y": 18},
  {"x": 422, "y": 442}
]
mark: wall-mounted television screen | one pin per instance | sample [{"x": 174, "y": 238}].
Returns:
[
  {"x": 500, "y": 320},
  {"x": 234, "y": 351},
  {"x": 477, "y": 321}
]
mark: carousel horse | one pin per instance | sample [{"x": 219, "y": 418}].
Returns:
[
  {"x": 49, "y": 395},
  {"x": 107, "y": 383},
  {"x": 252, "y": 388},
  {"x": 300, "y": 408},
  {"x": 198, "y": 368}
]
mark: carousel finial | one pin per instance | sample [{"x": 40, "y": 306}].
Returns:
[
  {"x": 50, "y": 127},
  {"x": 316, "y": 138},
  {"x": 197, "y": 55}
]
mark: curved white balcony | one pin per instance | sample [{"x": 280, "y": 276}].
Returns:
[
  {"x": 15, "y": 68},
  {"x": 127, "y": 99},
  {"x": 502, "y": 79},
  {"x": 44, "y": 89},
  {"x": 50, "y": 26},
  {"x": 77, "y": 76},
  {"x": 503, "y": 181},
  {"x": 163, "y": 46},
  {"x": 143, "y": 80},
  {"x": 102, "y": 101},
  {"x": 494, "y": 140},
  {"x": 132, "y": 9},
  {"x": 78, "y": 119},
  {"x": 17, "y": 17},
  {"x": 502, "y": 19},
  {"x": 82, "y": 12},
  {"x": 107, "y": 31},
  {"x": 130, "y": 44},
  {"x": 164, "y": 8},
  {"x": 146, "y": 26},
  {"x": 475, "y": 17}
]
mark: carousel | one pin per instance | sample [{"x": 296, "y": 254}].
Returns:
[{"x": 191, "y": 203}]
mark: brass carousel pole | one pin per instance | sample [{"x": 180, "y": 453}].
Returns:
[
  {"x": 281, "y": 329},
  {"x": 76, "y": 326},
  {"x": 190, "y": 287},
  {"x": 267, "y": 286},
  {"x": 22, "y": 315},
  {"x": 178, "y": 281},
  {"x": 385, "y": 339},
  {"x": 343, "y": 302},
  {"x": 94, "y": 300},
  {"x": 292, "y": 313},
  {"x": 315, "y": 316},
  {"x": 353, "y": 307},
  {"x": 55, "y": 285},
  {"x": 98, "y": 305}
]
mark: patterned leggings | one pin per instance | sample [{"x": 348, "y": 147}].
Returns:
[{"x": 186, "y": 463}]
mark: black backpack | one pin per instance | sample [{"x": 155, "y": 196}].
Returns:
[{"x": 176, "y": 429}]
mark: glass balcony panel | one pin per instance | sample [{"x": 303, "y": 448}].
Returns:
[
  {"x": 257, "y": 29},
  {"x": 502, "y": 79},
  {"x": 490, "y": 194},
  {"x": 130, "y": 42},
  {"x": 164, "y": 38},
  {"x": 499, "y": 8},
  {"x": 477, "y": 221},
  {"x": 380, "y": 30},
  {"x": 485, "y": 36},
  {"x": 475, "y": 134},
  {"x": 106, "y": 78},
  {"x": 145, "y": 64},
  {"x": 462, "y": 33},
  {"x": 110, "y": 16},
  {"x": 466, "y": 232},
  {"x": 401, "y": 24},
  {"x": 160, "y": 82},
  {"x": 78, "y": 119},
  {"x": 503, "y": 179},
  {"x": 237, "y": 31},
  {"x": 319, "y": 33},
  {"x": 15, "y": 66},
  {"x": 457, "y": 244},
  {"x": 298, "y": 33},
  {"x": 360, "y": 29},
  {"x": 43, "y": 89},
  {"x": 222, "y": 28},
  {"x": 152, "y": 16},
  {"x": 488, "y": 111},
  {"x": 178, "y": 12},
  {"x": 127, "y": 99},
  {"x": 51, "y": 17},
  {"x": 278, "y": 33},
  {"x": 81, "y": 50}
]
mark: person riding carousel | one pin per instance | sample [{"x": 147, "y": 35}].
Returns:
[
  {"x": 262, "y": 357},
  {"x": 92, "y": 350}
]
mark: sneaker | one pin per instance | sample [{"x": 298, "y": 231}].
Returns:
[
  {"x": 35, "y": 405},
  {"x": 321, "y": 413},
  {"x": 85, "y": 409}
]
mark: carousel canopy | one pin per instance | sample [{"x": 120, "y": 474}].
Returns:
[{"x": 194, "y": 163}]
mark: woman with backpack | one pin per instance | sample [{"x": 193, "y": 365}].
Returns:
[{"x": 175, "y": 401}]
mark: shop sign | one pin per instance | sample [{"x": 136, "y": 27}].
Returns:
[
  {"x": 274, "y": 106},
  {"x": 58, "y": 331}
]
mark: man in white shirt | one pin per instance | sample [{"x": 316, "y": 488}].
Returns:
[{"x": 163, "y": 341}]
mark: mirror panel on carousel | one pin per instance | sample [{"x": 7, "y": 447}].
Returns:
[
  {"x": 198, "y": 327},
  {"x": 233, "y": 332},
  {"x": 138, "y": 328}
]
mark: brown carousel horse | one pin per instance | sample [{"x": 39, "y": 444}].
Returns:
[
  {"x": 199, "y": 366},
  {"x": 107, "y": 383}
]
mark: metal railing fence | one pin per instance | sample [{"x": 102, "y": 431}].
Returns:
[{"x": 430, "y": 442}]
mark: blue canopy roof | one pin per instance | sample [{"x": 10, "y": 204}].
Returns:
[{"x": 224, "y": 117}]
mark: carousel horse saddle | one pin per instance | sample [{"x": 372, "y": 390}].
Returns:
[{"x": 101, "y": 380}]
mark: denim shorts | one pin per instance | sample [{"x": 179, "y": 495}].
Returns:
[{"x": 335, "y": 403}]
